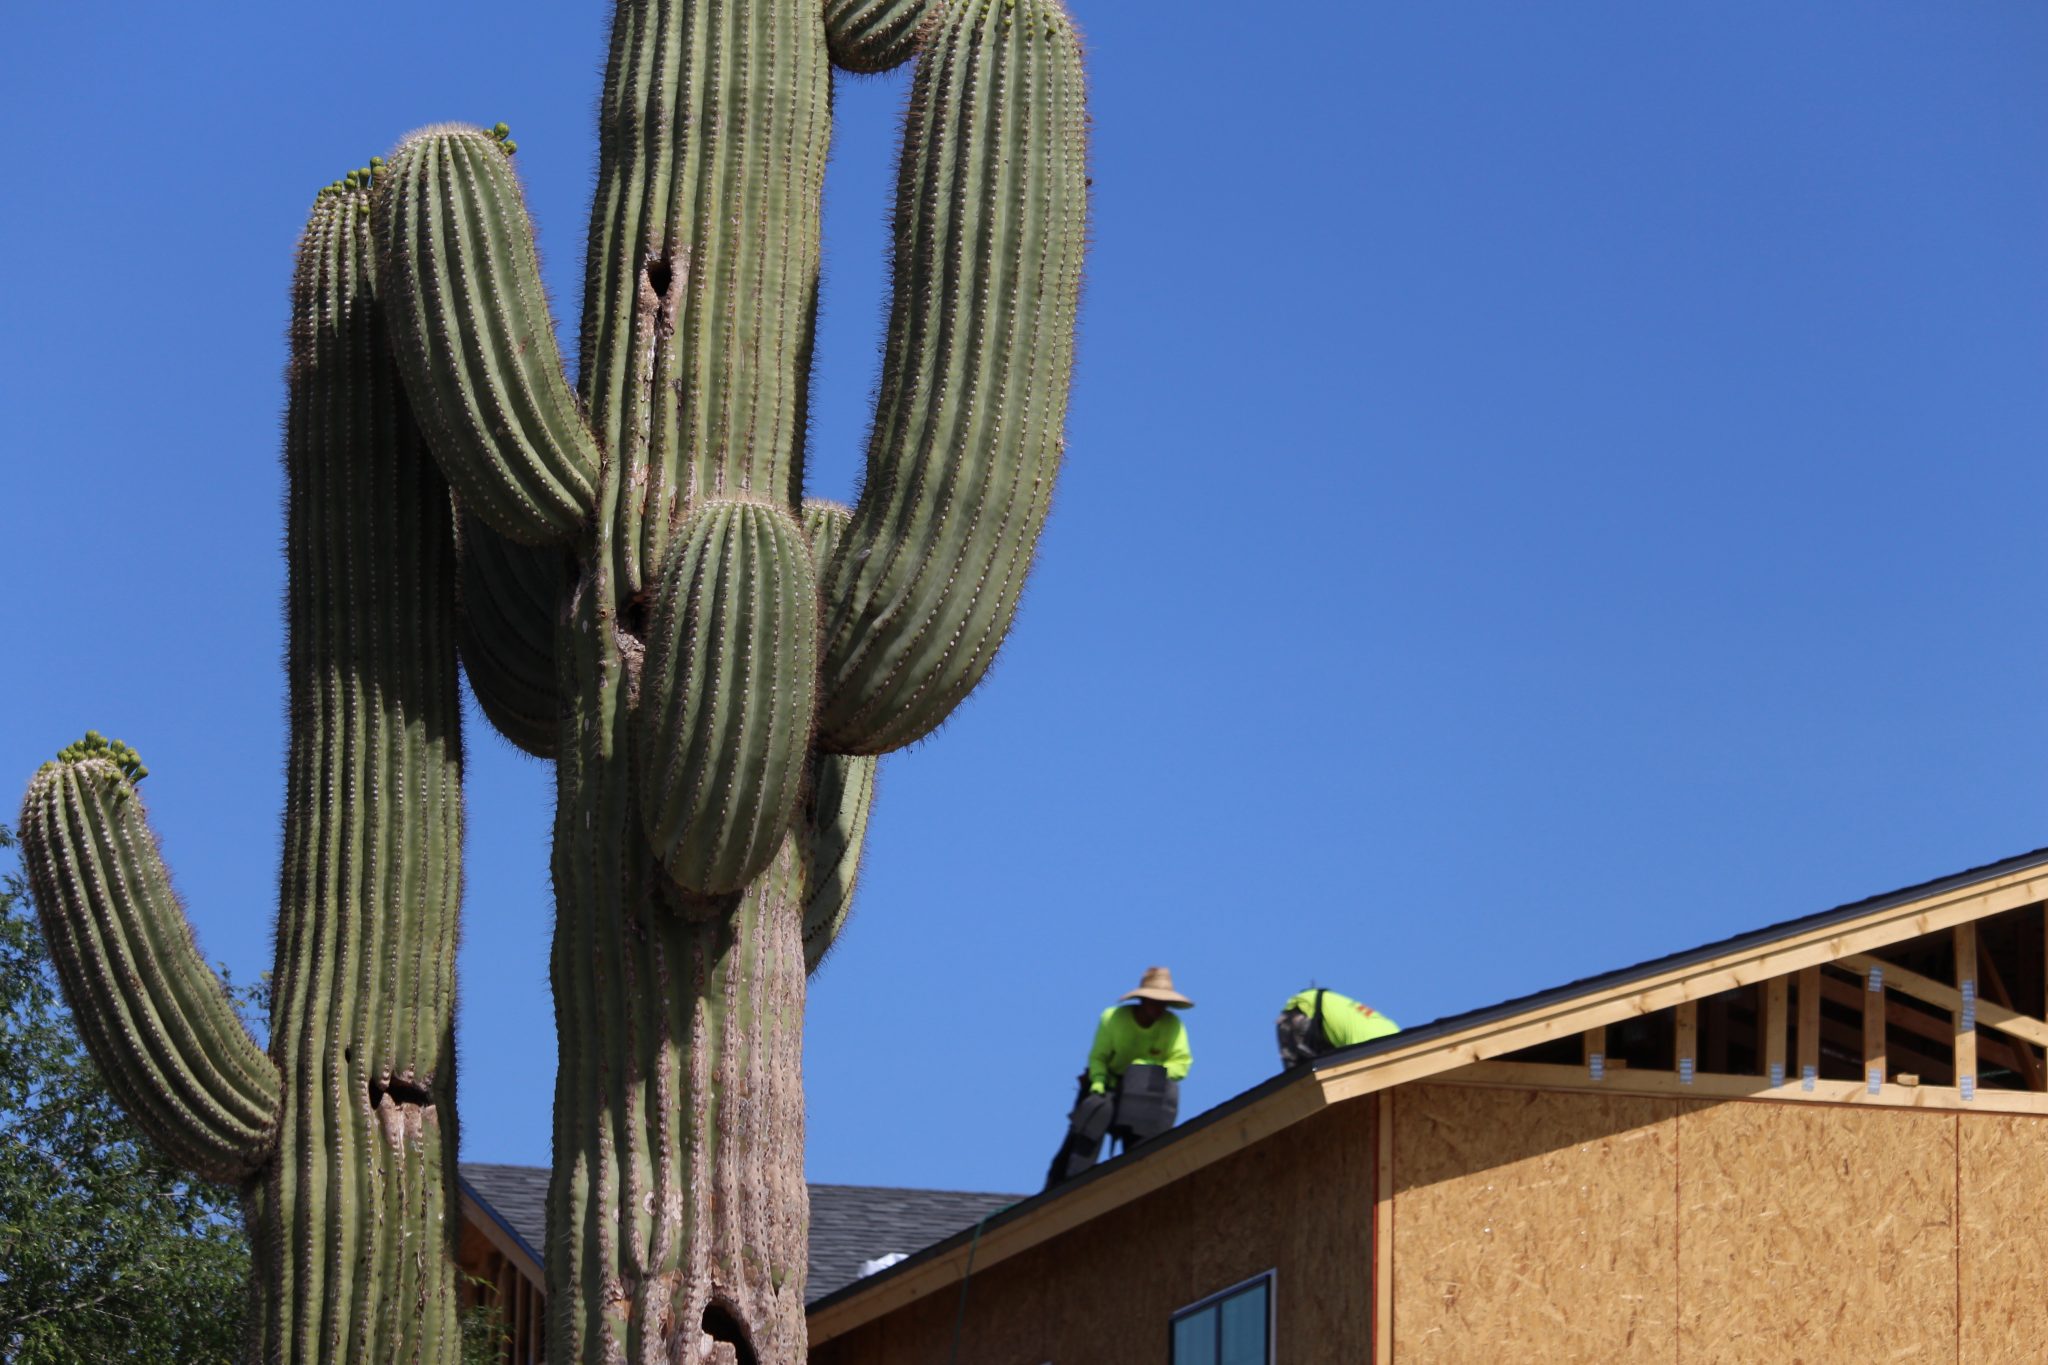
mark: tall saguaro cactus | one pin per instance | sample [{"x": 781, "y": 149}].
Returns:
[
  {"x": 712, "y": 662},
  {"x": 343, "y": 1136}
]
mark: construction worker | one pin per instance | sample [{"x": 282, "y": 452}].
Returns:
[
  {"x": 1131, "y": 1090},
  {"x": 1316, "y": 1022}
]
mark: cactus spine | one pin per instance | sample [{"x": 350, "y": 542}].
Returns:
[
  {"x": 343, "y": 1136},
  {"x": 712, "y": 662}
]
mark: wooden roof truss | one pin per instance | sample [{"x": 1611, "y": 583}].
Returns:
[{"x": 1953, "y": 1018}]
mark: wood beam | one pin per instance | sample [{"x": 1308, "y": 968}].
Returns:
[
  {"x": 1987, "y": 966},
  {"x": 1686, "y": 1043},
  {"x": 1874, "y": 1071},
  {"x": 1918, "y": 1026},
  {"x": 1989, "y": 1013},
  {"x": 1593, "y": 1050},
  {"x": 1809, "y": 1025},
  {"x": 1547, "y": 1076},
  {"x": 1963, "y": 1013},
  {"x": 1777, "y": 1005},
  {"x": 1927, "y": 1043}
]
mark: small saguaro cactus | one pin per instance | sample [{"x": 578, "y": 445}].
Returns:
[
  {"x": 342, "y": 1137},
  {"x": 711, "y": 661}
]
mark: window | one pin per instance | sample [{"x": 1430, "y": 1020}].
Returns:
[{"x": 1231, "y": 1328}]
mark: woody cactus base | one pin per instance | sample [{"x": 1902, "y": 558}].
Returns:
[
  {"x": 342, "y": 1137},
  {"x": 711, "y": 661}
]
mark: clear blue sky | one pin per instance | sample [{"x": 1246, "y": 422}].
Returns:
[{"x": 1548, "y": 486}]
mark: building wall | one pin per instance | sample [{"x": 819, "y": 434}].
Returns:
[
  {"x": 1541, "y": 1222},
  {"x": 1299, "y": 1204},
  {"x": 1557, "y": 1226},
  {"x": 1582, "y": 1227}
]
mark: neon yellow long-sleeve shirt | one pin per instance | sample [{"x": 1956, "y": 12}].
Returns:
[
  {"x": 1121, "y": 1042},
  {"x": 1345, "y": 1021}
]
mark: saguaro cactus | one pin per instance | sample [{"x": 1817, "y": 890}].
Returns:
[
  {"x": 648, "y": 600},
  {"x": 343, "y": 1136}
]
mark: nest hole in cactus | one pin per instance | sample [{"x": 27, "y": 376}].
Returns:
[
  {"x": 658, "y": 276},
  {"x": 633, "y": 616},
  {"x": 722, "y": 1325},
  {"x": 403, "y": 1090}
]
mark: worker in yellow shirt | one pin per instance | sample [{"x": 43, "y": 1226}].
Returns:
[
  {"x": 1316, "y": 1022},
  {"x": 1131, "y": 1090}
]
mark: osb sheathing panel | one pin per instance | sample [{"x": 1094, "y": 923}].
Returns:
[
  {"x": 2004, "y": 1261},
  {"x": 1005, "y": 1324},
  {"x": 1533, "y": 1225},
  {"x": 1816, "y": 1233},
  {"x": 1300, "y": 1205}
]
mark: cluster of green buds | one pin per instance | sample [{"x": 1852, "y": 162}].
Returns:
[
  {"x": 97, "y": 745},
  {"x": 361, "y": 178},
  {"x": 503, "y": 133}
]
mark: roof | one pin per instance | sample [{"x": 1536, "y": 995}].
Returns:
[
  {"x": 1706, "y": 952},
  {"x": 850, "y": 1224},
  {"x": 855, "y": 1223},
  {"x": 1435, "y": 1048}
]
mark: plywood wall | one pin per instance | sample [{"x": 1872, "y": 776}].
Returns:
[
  {"x": 2003, "y": 1256},
  {"x": 1584, "y": 1227},
  {"x": 1817, "y": 1233},
  {"x": 1299, "y": 1204},
  {"x": 1533, "y": 1226},
  {"x": 1545, "y": 1225}
]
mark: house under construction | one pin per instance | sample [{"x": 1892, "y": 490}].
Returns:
[{"x": 1826, "y": 1140}]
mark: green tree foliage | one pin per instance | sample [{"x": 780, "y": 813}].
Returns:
[
  {"x": 485, "y": 1339},
  {"x": 108, "y": 1252}
]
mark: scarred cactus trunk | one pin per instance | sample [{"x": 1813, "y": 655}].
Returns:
[
  {"x": 647, "y": 599},
  {"x": 343, "y": 1137}
]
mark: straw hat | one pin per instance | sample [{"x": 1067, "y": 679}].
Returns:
[{"x": 1158, "y": 985}]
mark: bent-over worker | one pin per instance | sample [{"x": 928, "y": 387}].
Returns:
[
  {"x": 1314, "y": 1023},
  {"x": 1131, "y": 1090}
]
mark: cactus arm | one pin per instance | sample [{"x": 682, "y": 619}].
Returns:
[
  {"x": 835, "y": 816},
  {"x": 511, "y": 603},
  {"x": 835, "y": 828},
  {"x": 723, "y": 721},
  {"x": 875, "y": 35},
  {"x": 472, "y": 333},
  {"x": 991, "y": 209},
  {"x": 151, "y": 1011}
]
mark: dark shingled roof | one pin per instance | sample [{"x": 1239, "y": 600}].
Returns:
[{"x": 849, "y": 1223}]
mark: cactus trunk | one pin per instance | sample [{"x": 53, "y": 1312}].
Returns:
[
  {"x": 727, "y": 660},
  {"x": 677, "y": 1212}
]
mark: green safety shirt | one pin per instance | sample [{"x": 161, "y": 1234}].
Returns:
[
  {"x": 1345, "y": 1021},
  {"x": 1121, "y": 1042}
]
